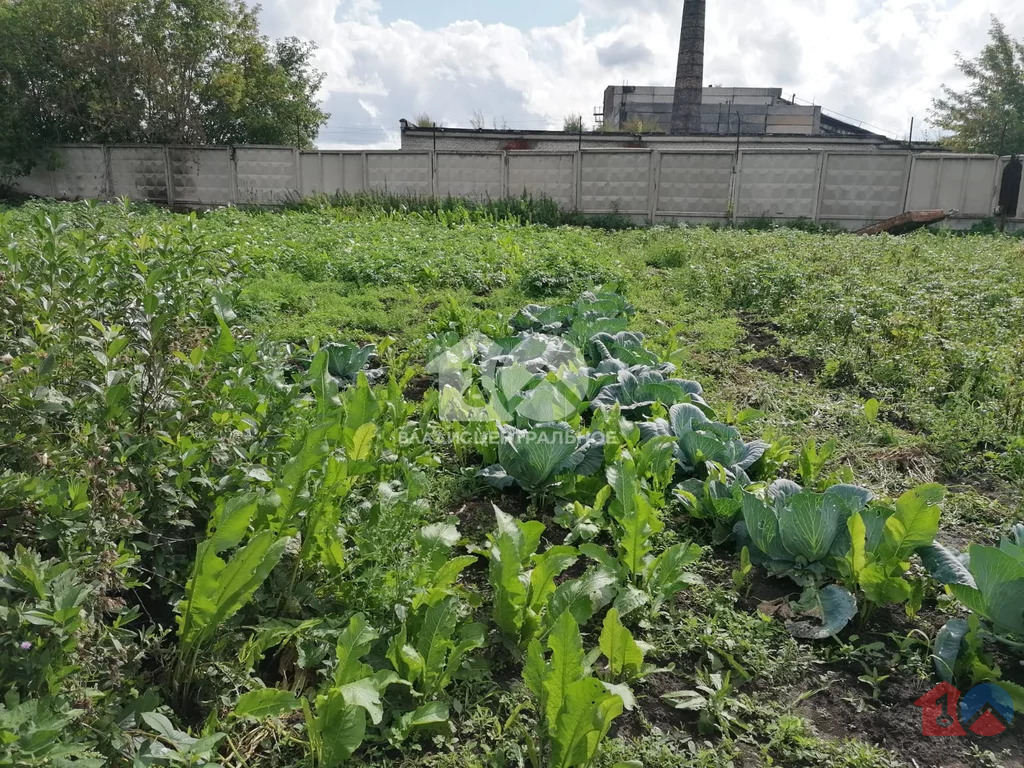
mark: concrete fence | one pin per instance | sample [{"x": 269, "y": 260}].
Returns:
[{"x": 848, "y": 187}]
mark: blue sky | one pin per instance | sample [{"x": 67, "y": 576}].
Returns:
[{"x": 529, "y": 63}]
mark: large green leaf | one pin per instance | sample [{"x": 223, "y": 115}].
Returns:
[
  {"x": 808, "y": 526},
  {"x": 547, "y": 566},
  {"x": 533, "y": 456},
  {"x": 946, "y": 648},
  {"x": 264, "y": 703},
  {"x": 434, "y": 637},
  {"x": 535, "y": 670},
  {"x": 882, "y": 587},
  {"x": 364, "y": 693},
  {"x": 582, "y": 723},
  {"x": 834, "y": 606},
  {"x": 856, "y": 557},
  {"x": 566, "y": 665},
  {"x": 340, "y": 727},
  {"x": 581, "y": 597},
  {"x": 914, "y": 524},
  {"x": 763, "y": 527},
  {"x": 1000, "y": 579},
  {"x": 230, "y": 522},
  {"x": 638, "y": 520},
  {"x": 353, "y": 643},
  {"x": 361, "y": 406},
  {"x": 624, "y": 655},
  {"x": 510, "y": 593},
  {"x": 219, "y": 590},
  {"x": 945, "y": 566}
]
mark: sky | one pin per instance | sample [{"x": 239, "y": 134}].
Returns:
[{"x": 528, "y": 63}]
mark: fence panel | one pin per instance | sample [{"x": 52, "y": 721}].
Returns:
[
  {"x": 139, "y": 173},
  {"x": 201, "y": 175},
  {"x": 266, "y": 175},
  {"x": 778, "y": 184},
  {"x": 311, "y": 172},
  {"x": 864, "y": 186},
  {"x": 981, "y": 187},
  {"x": 615, "y": 181},
  {"x": 694, "y": 184},
  {"x": 548, "y": 174},
  {"x": 38, "y": 183},
  {"x": 476, "y": 176},
  {"x": 965, "y": 183},
  {"x": 81, "y": 173},
  {"x": 343, "y": 172},
  {"x": 400, "y": 173}
]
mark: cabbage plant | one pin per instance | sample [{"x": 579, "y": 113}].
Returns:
[
  {"x": 537, "y": 459},
  {"x": 990, "y": 581},
  {"x": 800, "y": 533},
  {"x": 637, "y": 389},
  {"x": 627, "y": 346},
  {"x": 345, "y": 360},
  {"x": 699, "y": 440}
]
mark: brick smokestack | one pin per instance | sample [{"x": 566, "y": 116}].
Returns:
[{"x": 690, "y": 70}]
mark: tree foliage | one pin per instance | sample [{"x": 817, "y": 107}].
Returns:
[
  {"x": 149, "y": 71},
  {"x": 988, "y": 116},
  {"x": 573, "y": 123}
]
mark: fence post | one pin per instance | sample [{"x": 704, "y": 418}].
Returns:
[
  {"x": 108, "y": 174},
  {"x": 578, "y": 180},
  {"x": 653, "y": 186},
  {"x": 820, "y": 188},
  {"x": 232, "y": 178},
  {"x": 734, "y": 193},
  {"x": 433, "y": 170},
  {"x": 504, "y": 175},
  {"x": 169, "y": 176},
  {"x": 366, "y": 172},
  {"x": 297, "y": 159},
  {"x": 908, "y": 177}
]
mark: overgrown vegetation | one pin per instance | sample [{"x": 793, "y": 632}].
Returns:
[{"x": 237, "y": 534}]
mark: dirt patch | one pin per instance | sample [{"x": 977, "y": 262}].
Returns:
[
  {"x": 800, "y": 366},
  {"x": 766, "y": 588},
  {"x": 652, "y": 710},
  {"x": 898, "y": 420},
  {"x": 761, "y": 334},
  {"x": 418, "y": 387},
  {"x": 842, "y": 709},
  {"x": 476, "y": 516},
  {"x": 476, "y": 520}
]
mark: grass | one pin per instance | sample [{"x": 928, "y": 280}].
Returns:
[{"x": 116, "y": 457}]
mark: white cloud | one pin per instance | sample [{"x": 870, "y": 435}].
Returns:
[
  {"x": 880, "y": 61},
  {"x": 371, "y": 110}
]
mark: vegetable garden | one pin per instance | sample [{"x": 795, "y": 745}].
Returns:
[{"x": 360, "y": 487}]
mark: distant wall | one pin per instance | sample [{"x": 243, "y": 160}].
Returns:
[
  {"x": 724, "y": 111},
  {"x": 848, "y": 186}
]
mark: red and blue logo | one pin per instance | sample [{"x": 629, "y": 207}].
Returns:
[{"x": 985, "y": 710}]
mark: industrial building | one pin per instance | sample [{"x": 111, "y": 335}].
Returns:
[{"x": 724, "y": 111}]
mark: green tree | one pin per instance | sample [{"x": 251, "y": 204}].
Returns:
[
  {"x": 573, "y": 123},
  {"x": 989, "y": 115},
  {"x": 148, "y": 71}
]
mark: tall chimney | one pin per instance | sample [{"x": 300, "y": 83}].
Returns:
[{"x": 690, "y": 70}]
